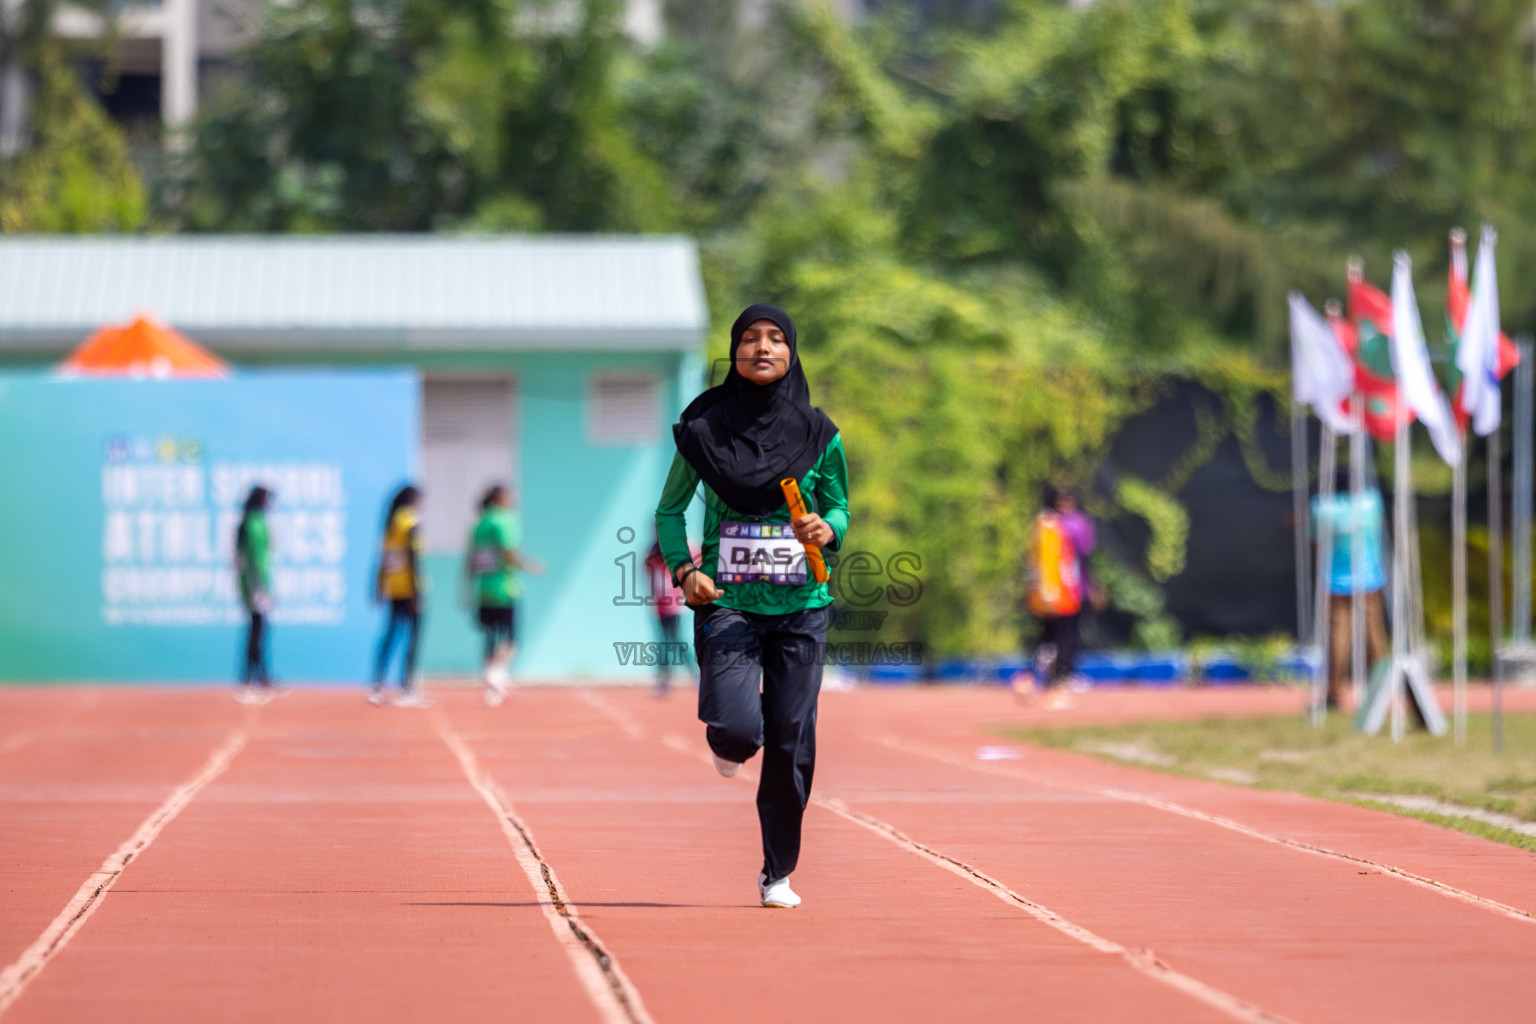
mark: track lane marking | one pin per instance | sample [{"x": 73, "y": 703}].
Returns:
[
  {"x": 15, "y": 978},
  {"x": 1144, "y": 961},
  {"x": 16, "y": 741},
  {"x": 612, "y": 993},
  {"x": 1168, "y": 806},
  {"x": 623, "y": 719}
]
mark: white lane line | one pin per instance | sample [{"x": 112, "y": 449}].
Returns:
[
  {"x": 1143, "y": 960},
  {"x": 15, "y": 978},
  {"x": 1461, "y": 895},
  {"x": 15, "y": 741},
  {"x": 615, "y": 996},
  {"x": 672, "y": 741},
  {"x": 623, "y": 719}
]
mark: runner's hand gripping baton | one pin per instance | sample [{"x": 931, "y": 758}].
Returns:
[{"x": 796, "y": 505}]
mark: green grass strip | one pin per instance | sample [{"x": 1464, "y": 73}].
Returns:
[{"x": 1334, "y": 763}]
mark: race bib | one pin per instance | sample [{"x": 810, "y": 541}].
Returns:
[
  {"x": 395, "y": 561},
  {"x": 484, "y": 561},
  {"x": 760, "y": 553}
]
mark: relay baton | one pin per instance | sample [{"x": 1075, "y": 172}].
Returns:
[{"x": 796, "y": 505}]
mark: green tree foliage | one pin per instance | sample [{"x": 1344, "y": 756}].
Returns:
[
  {"x": 75, "y": 173},
  {"x": 413, "y": 115}
]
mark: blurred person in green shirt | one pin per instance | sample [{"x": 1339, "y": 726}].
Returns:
[
  {"x": 760, "y": 618},
  {"x": 253, "y": 572},
  {"x": 491, "y": 569}
]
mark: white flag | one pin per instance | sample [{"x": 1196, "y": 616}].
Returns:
[
  {"x": 1322, "y": 375},
  {"x": 1410, "y": 364},
  {"x": 1478, "y": 355}
]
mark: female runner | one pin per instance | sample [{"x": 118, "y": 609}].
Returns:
[{"x": 758, "y": 614}]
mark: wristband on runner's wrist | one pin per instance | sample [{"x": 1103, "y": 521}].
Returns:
[{"x": 686, "y": 571}]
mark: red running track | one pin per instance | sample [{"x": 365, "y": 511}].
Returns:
[{"x": 170, "y": 855}]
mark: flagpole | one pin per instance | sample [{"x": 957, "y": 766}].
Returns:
[
  {"x": 1458, "y": 243},
  {"x": 1357, "y": 554},
  {"x": 1519, "y": 522},
  {"x": 1320, "y": 608},
  {"x": 1459, "y": 592},
  {"x": 1401, "y": 487},
  {"x": 1495, "y": 554},
  {"x": 1299, "y": 474}
]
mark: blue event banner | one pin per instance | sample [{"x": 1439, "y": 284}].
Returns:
[{"x": 121, "y": 499}]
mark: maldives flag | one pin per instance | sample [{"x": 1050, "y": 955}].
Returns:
[
  {"x": 1367, "y": 337},
  {"x": 1471, "y": 350}
]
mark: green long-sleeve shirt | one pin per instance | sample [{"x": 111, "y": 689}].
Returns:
[
  {"x": 825, "y": 489},
  {"x": 253, "y": 562}
]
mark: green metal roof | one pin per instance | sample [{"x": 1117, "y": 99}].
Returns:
[{"x": 277, "y": 293}]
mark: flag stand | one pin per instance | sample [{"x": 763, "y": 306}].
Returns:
[
  {"x": 1405, "y": 677},
  {"x": 1407, "y": 674}
]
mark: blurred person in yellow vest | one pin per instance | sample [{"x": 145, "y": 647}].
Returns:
[{"x": 401, "y": 582}]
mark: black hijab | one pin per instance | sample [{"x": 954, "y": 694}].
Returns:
[{"x": 743, "y": 438}]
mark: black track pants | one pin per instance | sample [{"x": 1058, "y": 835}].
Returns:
[
  {"x": 1065, "y": 632},
  {"x": 255, "y": 669},
  {"x": 735, "y": 651}
]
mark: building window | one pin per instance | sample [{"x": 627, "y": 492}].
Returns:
[
  {"x": 624, "y": 408},
  {"x": 468, "y": 443}
]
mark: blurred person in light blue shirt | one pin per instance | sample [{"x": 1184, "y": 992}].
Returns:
[{"x": 1355, "y": 524}]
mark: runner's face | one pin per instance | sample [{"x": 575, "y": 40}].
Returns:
[{"x": 762, "y": 354}]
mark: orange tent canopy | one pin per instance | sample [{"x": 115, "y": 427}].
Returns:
[{"x": 143, "y": 348}]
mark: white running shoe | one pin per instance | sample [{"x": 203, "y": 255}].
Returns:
[
  {"x": 1060, "y": 701},
  {"x": 777, "y": 894},
  {"x": 413, "y": 699},
  {"x": 376, "y": 697},
  {"x": 724, "y": 767},
  {"x": 1045, "y": 663},
  {"x": 494, "y": 678}
]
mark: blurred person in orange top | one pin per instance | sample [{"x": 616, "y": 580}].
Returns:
[{"x": 1056, "y": 584}]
